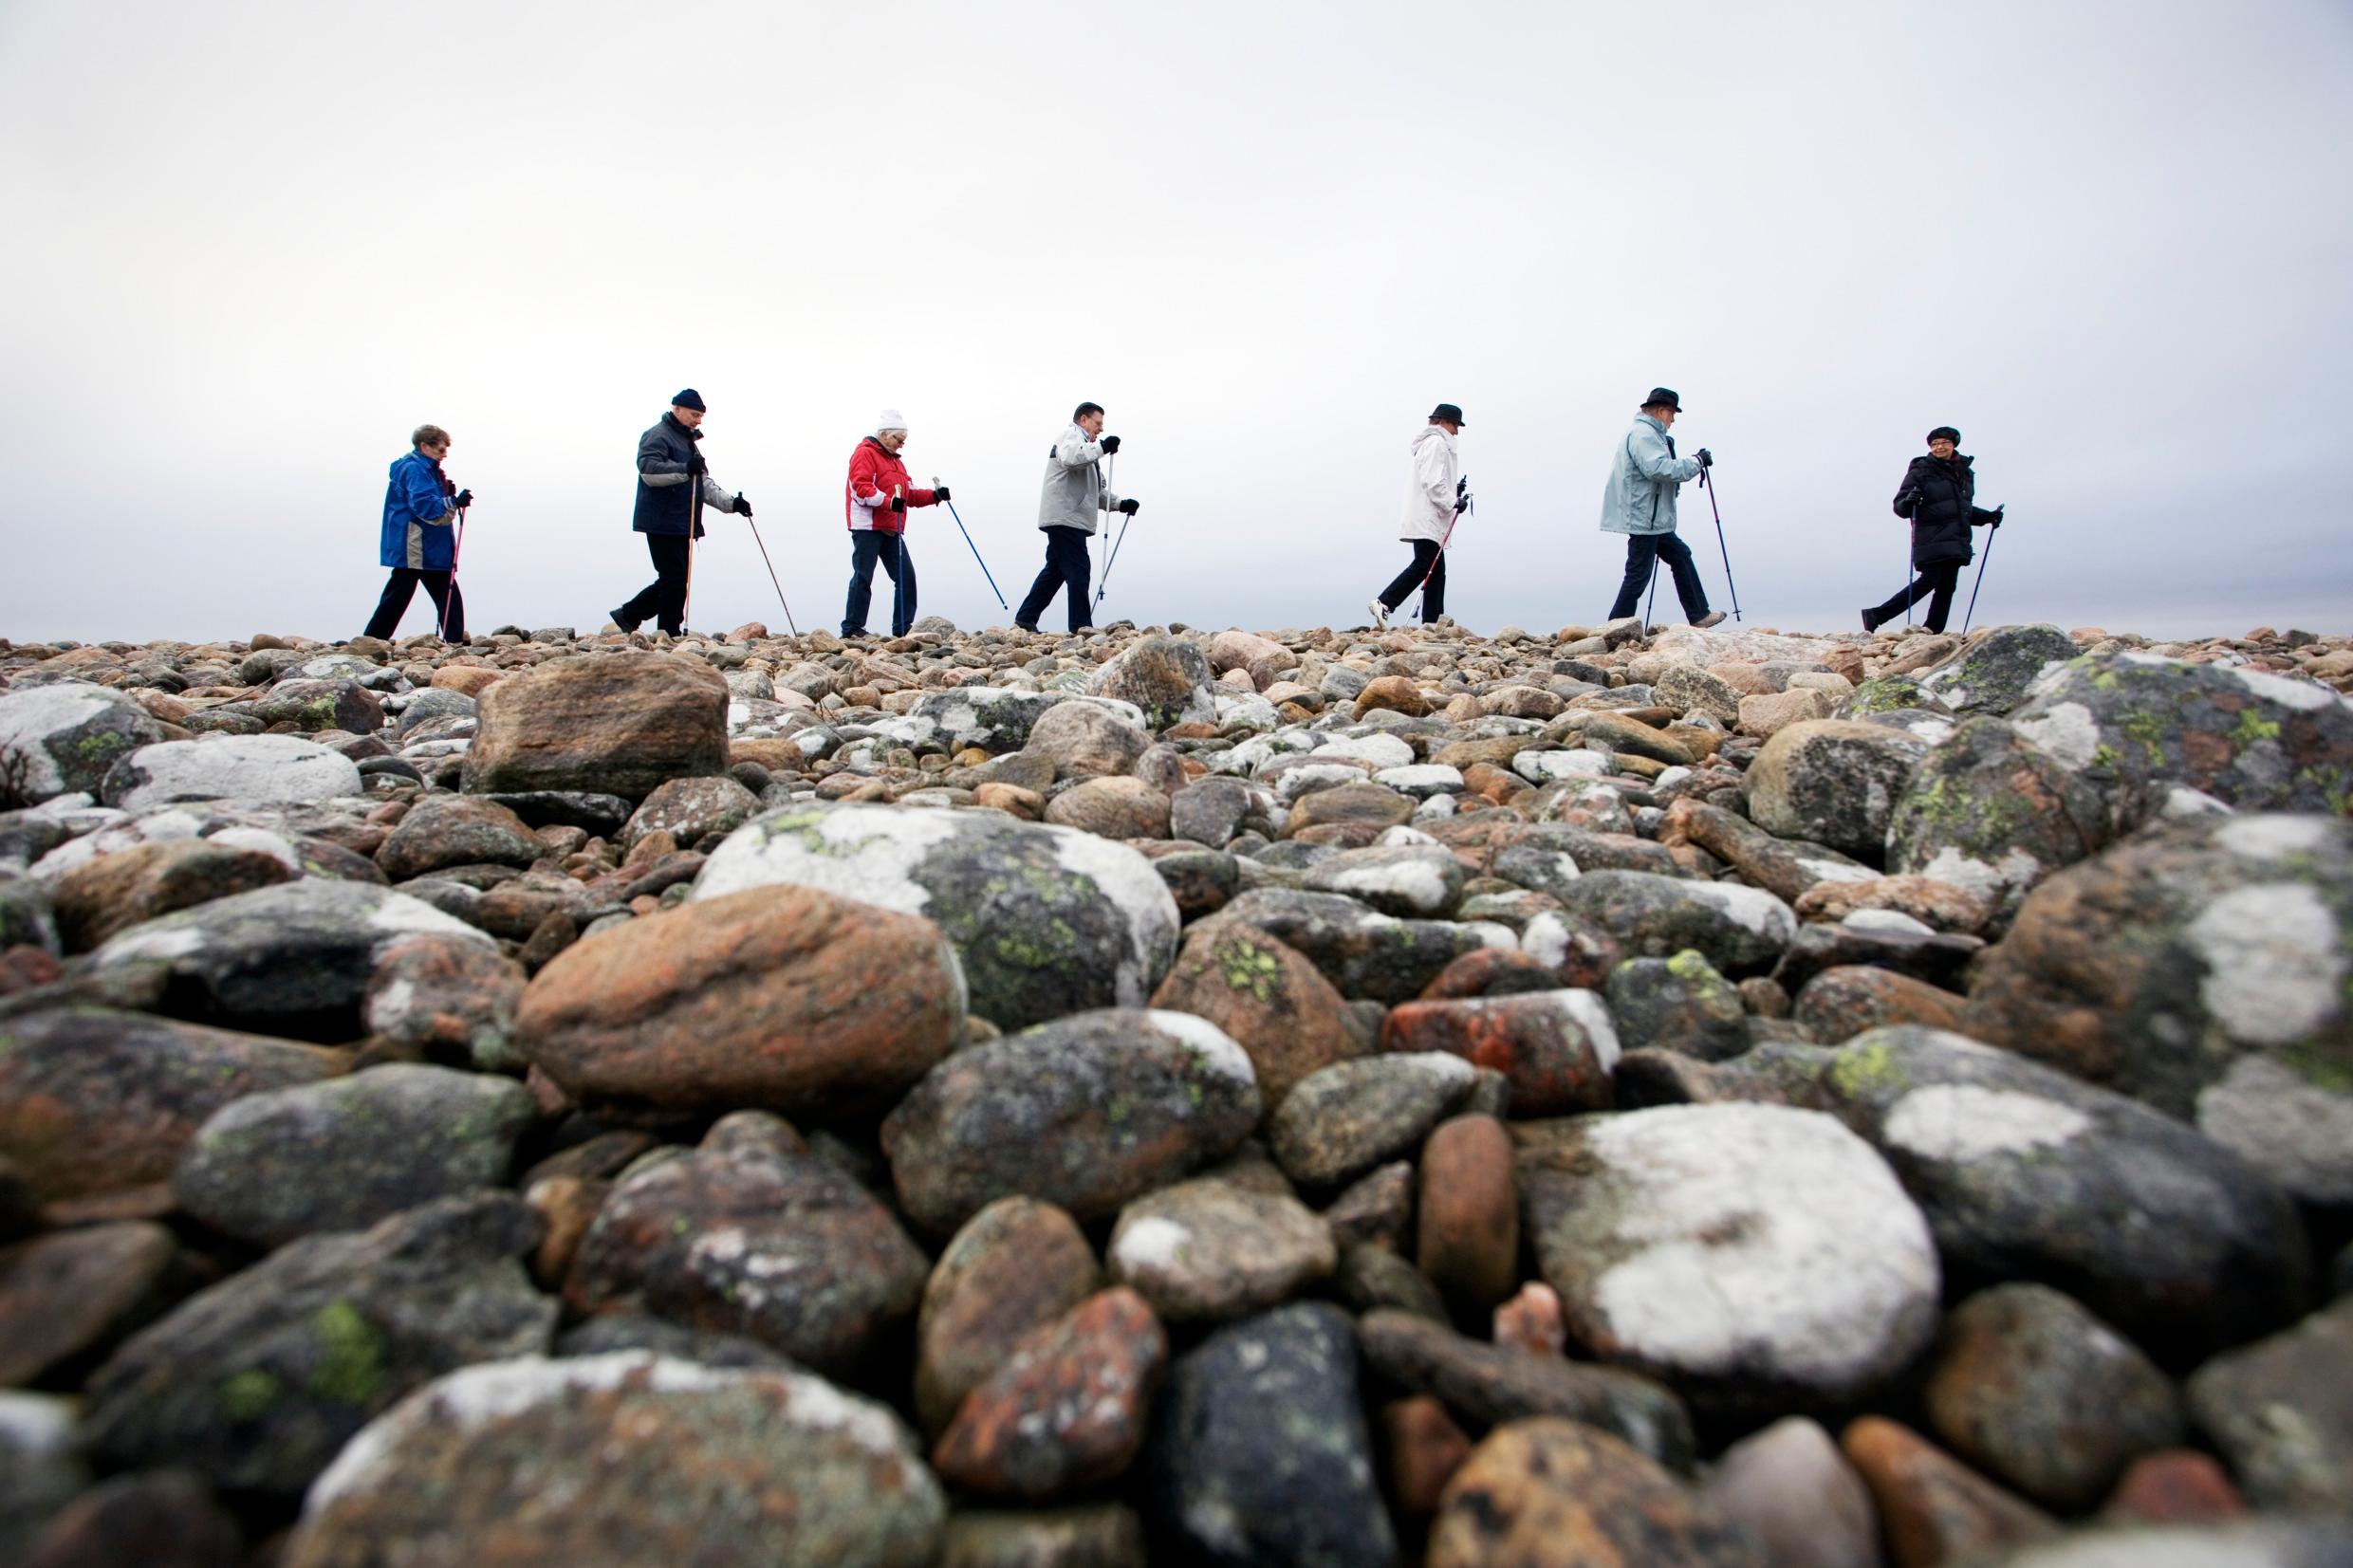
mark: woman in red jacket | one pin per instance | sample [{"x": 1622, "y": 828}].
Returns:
[{"x": 876, "y": 502}]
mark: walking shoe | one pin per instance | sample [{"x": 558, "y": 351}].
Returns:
[
  {"x": 1380, "y": 613},
  {"x": 1026, "y": 626},
  {"x": 621, "y": 620},
  {"x": 1711, "y": 619},
  {"x": 1869, "y": 624}
]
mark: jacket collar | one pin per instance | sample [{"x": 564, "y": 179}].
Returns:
[
  {"x": 1654, "y": 422},
  {"x": 672, "y": 421}
]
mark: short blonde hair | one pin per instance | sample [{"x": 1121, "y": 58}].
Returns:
[{"x": 429, "y": 436}]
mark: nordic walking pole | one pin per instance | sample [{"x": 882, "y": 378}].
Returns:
[
  {"x": 1102, "y": 584},
  {"x": 1470, "y": 505},
  {"x": 694, "y": 521},
  {"x": 974, "y": 548},
  {"x": 1708, "y": 484},
  {"x": 1965, "y": 618},
  {"x": 899, "y": 583},
  {"x": 457, "y": 542},
  {"x": 771, "y": 573},
  {"x": 1653, "y": 603}
]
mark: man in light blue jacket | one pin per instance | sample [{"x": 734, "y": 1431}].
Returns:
[{"x": 1639, "y": 502}]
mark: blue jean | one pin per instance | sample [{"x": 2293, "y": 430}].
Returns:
[
  {"x": 1643, "y": 553},
  {"x": 867, "y": 547}
]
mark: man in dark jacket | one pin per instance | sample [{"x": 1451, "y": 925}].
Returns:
[
  {"x": 1938, "y": 495},
  {"x": 418, "y": 542},
  {"x": 669, "y": 468}
]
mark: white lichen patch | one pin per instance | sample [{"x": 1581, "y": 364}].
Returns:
[
  {"x": 2274, "y": 965},
  {"x": 1751, "y": 908},
  {"x": 1836, "y": 871},
  {"x": 1422, "y": 884},
  {"x": 399, "y": 914},
  {"x": 866, "y": 853},
  {"x": 2182, "y": 804},
  {"x": 2306, "y": 696},
  {"x": 1887, "y": 920},
  {"x": 262, "y": 841},
  {"x": 2068, "y": 734},
  {"x": 2292, "y": 1130},
  {"x": 1988, "y": 879},
  {"x": 154, "y": 940},
  {"x": 1591, "y": 1014},
  {"x": 1764, "y": 1242},
  {"x": 1137, "y": 890},
  {"x": 1378, "y": 750},
  {"x": 1212, "y": 1045},
  {"x": 1546, "y": 939},
  {"x": 2275, "y": 837},
  {"x": 1146, "y": 1245},
  {"x": 1965, "y": 1122}
]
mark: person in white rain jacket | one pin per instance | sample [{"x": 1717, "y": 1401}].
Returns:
[{"x": 1434, "y": 498}]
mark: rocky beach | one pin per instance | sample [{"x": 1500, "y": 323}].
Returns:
[{"x": 1346, "y": 1099}]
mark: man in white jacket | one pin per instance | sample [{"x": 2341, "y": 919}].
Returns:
[
  {"x": 1433, "y": 499},
  {"x": 1073, "y": 493}
]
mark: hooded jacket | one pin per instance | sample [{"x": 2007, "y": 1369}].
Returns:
[
  {"x": 1643, "y": 477},
  {"x": 417, "y": 516},
  {"x": 662, "y": 456},
  {"x": 1430, "y": 486},
  {"x": 1074, "y": 492},
  {"x": 874, "y": 471},
  {"x": 1940, "y": 495}
]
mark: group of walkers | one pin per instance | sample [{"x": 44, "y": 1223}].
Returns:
[{"x": 424, "y": 514}]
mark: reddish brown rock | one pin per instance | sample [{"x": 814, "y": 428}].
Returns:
[
  {"x": 24, "y": 967},
  {"x": 1424, "y": 1448},
  {"x": 779, "y": 997},
  {"x": 441, "y": 831},
  {"x": 1396, "y": 693},
  {"x": 451, "y": 999},
  {"x": 2175, "y": 1486},
  {"x": 1492, "y": 971},
  {"x": 1361, "y": 805},
  {"x": 1469, "y": 1230},
  {"x": 1935, "y": 1509},
  {"x": 1067, "y": 1410},
  {"x": 148, "y": 1519},
  {"x": 466, "y": 679},
  {"x": 567, "y": 1206},
  {"x": 621, "y": 724},
  {"x": 94, "y": 1100},
  {"x": 1016, "y": 1265},
  {"x": 1555, "y": 1047},
  {"x": 1546, "y": 1493},
  {"x": 1118, "y": 807},
  {"x": 1840, "y": 1002},
  {"x": 72, "y": 1292},
  {"x": 1274, "y": 1004},
  {"x": 112, "y": 892},
  {"x": 1940, "y": 905}
]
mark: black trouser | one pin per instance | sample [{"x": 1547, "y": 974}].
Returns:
[
  {"x": 1430, "y": 560},
  {"x": 1935, "y": 583},
  {"x": 1068, "y": 566},
  {"x": 867, "y": 547},
  {"x": 664, "y": 599},
  {"x": 448, "y": 603},
  {"x": 1643, "y": 553}
]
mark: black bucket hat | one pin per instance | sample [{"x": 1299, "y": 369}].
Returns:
[
  {"x": 1449, "y": 413},
  {"x": 1664, "y": 395}
]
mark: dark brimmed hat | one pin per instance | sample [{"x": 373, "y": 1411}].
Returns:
[
  {"x": 689, "y": 398},
  {"x": 1664, "y": 395},
  {"x": 1449, "y": 413},
  {"x": 1948, "y": 432}
]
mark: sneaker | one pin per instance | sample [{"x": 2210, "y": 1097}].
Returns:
[
  {"x": 1380, "y": 613},
  {"x": 1712, "y": 618}
]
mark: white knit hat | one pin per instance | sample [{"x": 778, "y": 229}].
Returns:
[{"x": 890, "y": 420}]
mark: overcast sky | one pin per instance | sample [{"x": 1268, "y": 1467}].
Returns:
[{"x": 249, "y": 245}]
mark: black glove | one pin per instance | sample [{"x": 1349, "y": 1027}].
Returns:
[
  {"x": 1997, "y": 516},
  {"x": 1110, "y": 445},
  {"x": 899, "y": 504},
  {"x": 465, "y": 499},
  {"x": 1707, "y": 458},
  {"x": 1462, "y": 504},
  {"x": 743, "y": 508},
  {"x": 695, "y": 467},
  {"x": 1130, "y": 506},
  {"x": 940, "y": 493}
]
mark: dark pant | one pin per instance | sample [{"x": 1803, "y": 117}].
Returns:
[
  {"x": 1068, "y": 566},
  {"x": 448, "y": 603},
  {"x": 867, "y": 547},
  {"x": 1428, "y": 559},
  {"x": 1643, "y": 553},
  {"x": 1935, "y": 583},
  {"x": 665, "y": 597}
]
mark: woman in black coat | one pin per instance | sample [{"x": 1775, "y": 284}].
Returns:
[{"x": 1938, "y": 495}]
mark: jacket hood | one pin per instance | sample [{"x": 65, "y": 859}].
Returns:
[
  {"x": 420, "y": 456},
  {"x": 1424, "y": 434}
]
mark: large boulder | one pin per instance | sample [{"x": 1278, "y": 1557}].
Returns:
[
  {"x": 1086, "y": 1113},
  {"x": 291, "y": 960},
  {"x": 621, "y": 1460},
  {"x": 1087, "y": 739},
  {"x": 1994, "y": 672},
  {"x": 1047, "y": 921},
  {"x": 2138, "y": 728},
  {"x": 2026, "y": 1173},
  {"x": 781, "y": 997},
  {"x": 1759, "y": 1258},
  {"x": 1833, "y": 782},
  {"x": 624, "y": 724},
  {"x": 278, "y": 768},
  {"x": 62, "y": 739},
  {"x": 753, "y": 1234},
  {"x": 1991, "y": 812},
  {"x": 344, "y": 1154},
  {"x": 93, "y": 1100},
  {"x": 259, "y": 1380},
  {"x": 2203, "y": 968}
]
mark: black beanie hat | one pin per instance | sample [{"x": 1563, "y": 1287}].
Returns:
[
  {"x": 689, "y": 398},
  {"x": 1948, "y": 432}
]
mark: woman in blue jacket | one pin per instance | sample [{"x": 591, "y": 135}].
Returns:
[{"x": 419, "y": 538}]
